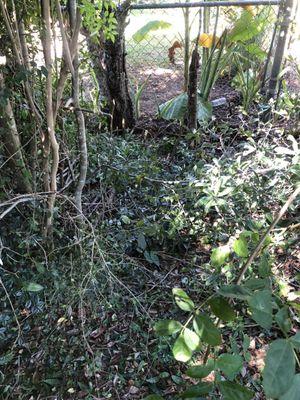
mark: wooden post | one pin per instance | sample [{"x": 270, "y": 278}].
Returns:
[{"x": 286, "y": 7}]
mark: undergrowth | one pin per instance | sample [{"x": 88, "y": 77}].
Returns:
[{"x": 78, "y": 320}]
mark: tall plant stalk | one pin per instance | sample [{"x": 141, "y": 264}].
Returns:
[
  {"x": 51, "y": 137},
  {"x": 79, "y": 115}
]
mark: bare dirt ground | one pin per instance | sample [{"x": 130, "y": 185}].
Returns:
[{"x": 165, "y": 83}]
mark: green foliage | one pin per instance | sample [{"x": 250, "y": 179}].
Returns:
[
  {"x": 220, "y": 255},
  {"x": 98, "y": 16},
  {"x": 177, "y": 108},
  {"x": 181, "y": 351},
  {"x": 235, "y": 391},
  {"x": 279, "y": 371},
  {"x": 230, "y": 364},
  {"x": 32, "y": 287},
  {"x": 151, "y": 26},
  {"x": 260, "y": 304},
  {"x": 222, "y": 309},
  {"x": 197, "y": 390},
  {"x": 165, "y": 328},
  {"x": 183, "y": 300},
  {"x": 200, "y": 371},
  {"x": 207, "y": 330}
]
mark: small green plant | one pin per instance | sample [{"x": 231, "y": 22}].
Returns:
[
  {"x": 202, "y": 330},
  {"x": 248, "y": 83}
]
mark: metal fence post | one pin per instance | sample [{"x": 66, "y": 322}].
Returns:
[{"x": 286, "y": 7}]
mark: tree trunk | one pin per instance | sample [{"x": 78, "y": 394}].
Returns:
[
  {"x": 46, "y": 43},
  {"x": 96, "y": 51},
  {"x": 12, "y": 144},
  {"x": 116, "y": 75},
  {"x": 79, "y": 115},
  {"x": 192, "y": 89}
]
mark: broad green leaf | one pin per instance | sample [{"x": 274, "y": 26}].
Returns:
[
  {"x": 183, "y": 300},
  {"x": 181, "y": 351},
  {"x": 142, "y": 244},
  {"x": 175, "y": 108},
  {"x": 153, "y": 397},
  {"x": 257, "y": 284},
  {"x": 200, "y": 371},
  {"x": 204, "y": 110},
  {"x": 234, "y": 391},
  {"x": 235, "y": 291},
  {"x": 245, "y": 28},
  {"x": 33, "y": 287},
  {"x": 207, "y": 330},
  {"x": 255, "y": 50},
  {"x": 151, "y": 26},
  {"x": 167, "y": 327},
  {"x": 197, "y": 390},
  {"x": 295, "y": 340},
  {"x": 283, "y": 320},
  {"x": 293, "y": 392},
  {"x": 222, "y": 309},
  {"x": 230, "y": 364},
  {"x": 260, "y": 304},
  {"x": 191, "y": 339},
  {"x": 240, "y": 247},
  {"x": 220, "y": 255},
  {"x": 279, "y": 368},
  {"x": 264, "y": 267},
  {"x": 151, "y": 257}
]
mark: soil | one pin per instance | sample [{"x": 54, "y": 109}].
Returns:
[{"x": 165, "y": 83}]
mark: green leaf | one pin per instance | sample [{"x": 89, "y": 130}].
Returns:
[
  {"x": 264, "y": 267},
  {"x": 220, "y": 255},
  {"x": 255, "y": 50},
  {"x": 293, "y": 392},
  {"x": 142, "y": 244},
  {"x": 283, "y": 320},
  {"x": 207, "y": 330},
  {"x": 33, "y": 287},
  {"x": 151, "y": 257},
  {"x": 175, "y": 108},
  {"x": 279, "y": 368},
  {"x": 167, "y": 327},
  {"x": 200, "y": 371},
  {"x": 257, "y": 284},
  {"x": 191, "y": 339},
  {"x": 181, "y": 351},
  {"x": 234, "y": 391},
  {"x": 235, "y": 291},
  {"x": 295, "y": 340},
  {"x": 245, "y": 28},
  {"x": 204, "y": 110},
  {"x": 230, "y": 364},
  {"x": 183, "y": 300},
  {"x": 125, "y": 219},
  {"x": 151, "y": 26},
  {"x": 153, "y": 397},
  {"x": 240, "y": 247},
  {"x": 222, "y": 309},
  {"x": 197, "y": 390},
  {"x": 260, "y": 304}
]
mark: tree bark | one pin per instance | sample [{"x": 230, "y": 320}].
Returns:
[
  {"x": 12, "y": 144},
  {"x": 192, "y": 90},
  {"x": 46, "y": 43},
  {"x": 79, "y": 115},
  {"x": 116, "y": 75}
]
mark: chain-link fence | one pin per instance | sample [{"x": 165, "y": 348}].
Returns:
[{"x": 156, "y": 39}]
